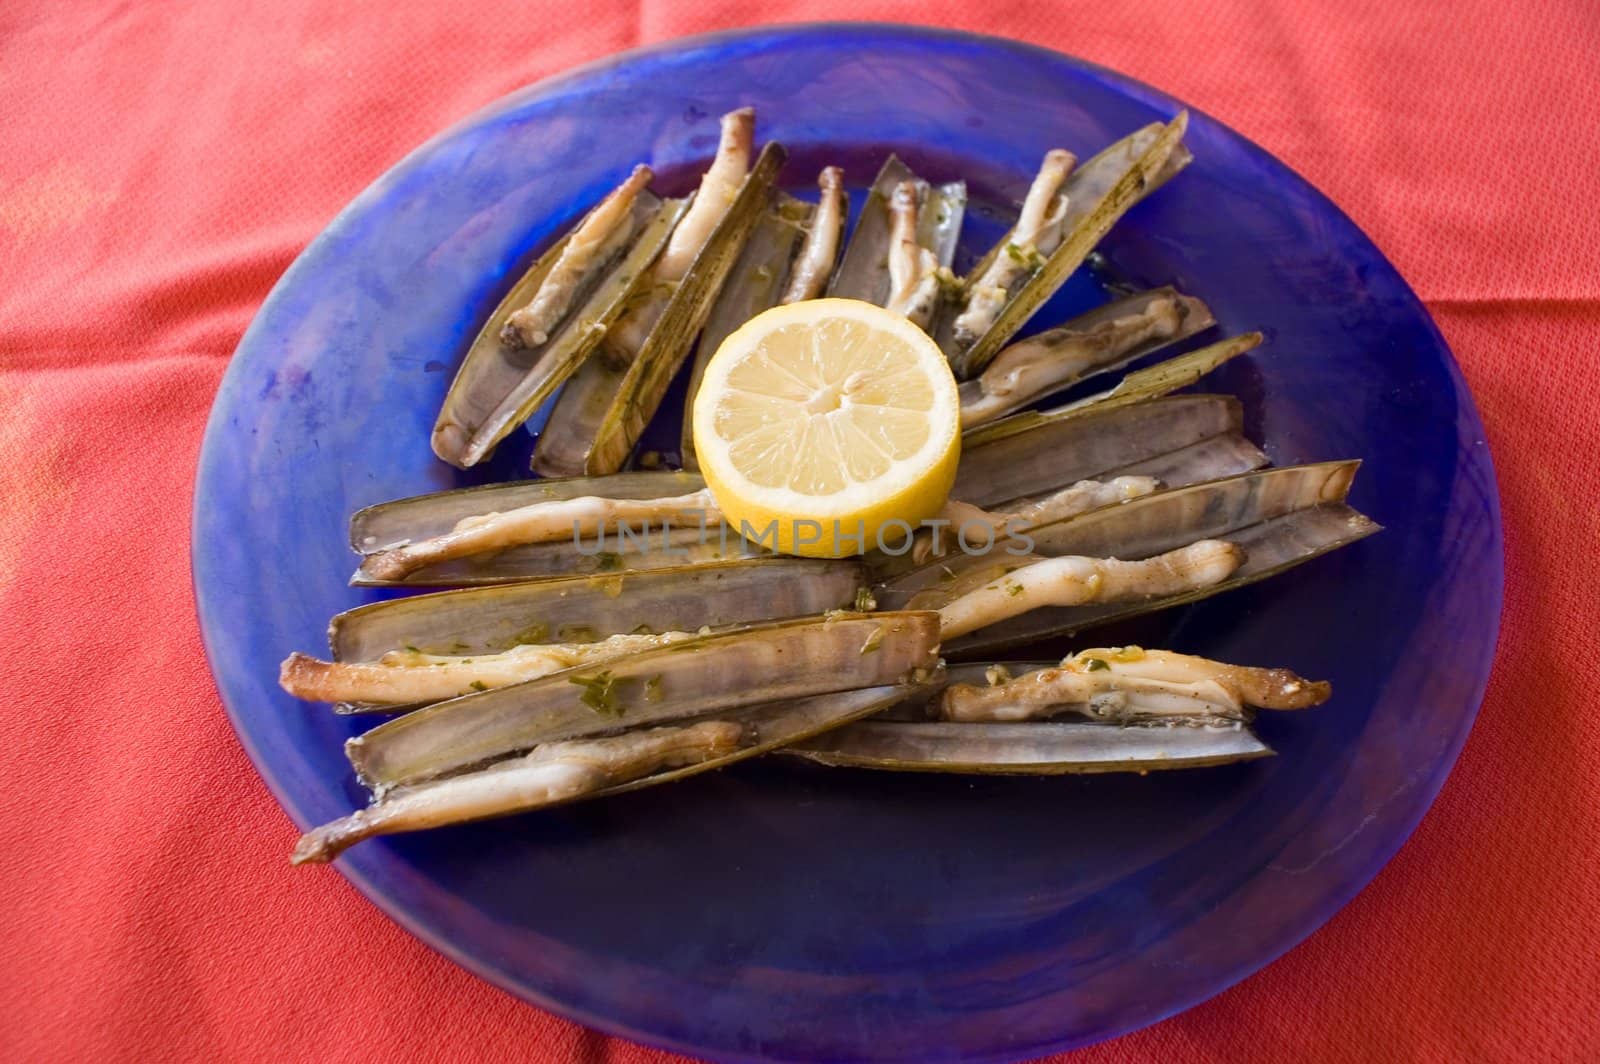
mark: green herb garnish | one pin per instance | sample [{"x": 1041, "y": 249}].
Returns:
[
  {"x": 865, "y": 603},
  {"x": 599, "y": 693},
  {"x": 874, "y": 641},
  {"x": 1096, "y": 665},
  {"x": 537, "y": 632},
  {"x": 478, "y": 685}
]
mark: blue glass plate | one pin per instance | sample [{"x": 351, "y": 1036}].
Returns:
[{"x": 793, "y": 911}]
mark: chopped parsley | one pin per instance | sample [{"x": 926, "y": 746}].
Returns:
[
  {"x": 599, "y": 693},
  {"x": 537, "y": 632}
]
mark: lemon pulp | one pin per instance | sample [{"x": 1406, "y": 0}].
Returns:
[{"x": 827, "y": 427}]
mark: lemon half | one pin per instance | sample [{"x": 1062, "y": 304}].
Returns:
[{"x": 825, "y": 426}]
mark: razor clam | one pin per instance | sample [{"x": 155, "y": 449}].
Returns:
[
  {"x": 792, "y": 231},
  {"x": 1098, "y": 193},
  {"x": 1137, "y": 387},
  {"x": 971, "y": 527},
  {"x": 604, "y": 230},
  {"x": 694, "y": 678},
  {"x": 1053, "y": 454},
  {"x": 1036, "y": 234},
  {"x": 391, "y": 525},
  {"x": 1270, "y": 547},
  {"x": 1279, "y": 518},
  {"x": 604, "y": 407},
  {"x": 606, "y": 532},
  {"x": 719, "y": 186},
  {"x": 554, "y": 773},
  {"x": 547, "y": 521},
  {"x": 572, "y": 609},
  {"x": 1075, "y": 580},
  {"x": 403, "y": 678},
  {"x": 1217, "y": 508},
  {"x": 499, "y": 385},
  {"x": 864, "y": 270},
  {"x": 913, "y": 269},
  {"x": 1178, "y": 718},
  {"x": 1126, "y": 685},
  {"x": 1036, "y": 749},
  {"x": 399, "y": 521},
  {"x": 411, "y": 651},
  {"x": 630, "y": 550},
  {"x": 1139, "y": 528},
  {"x": 813, "y": 266},
  {"x": 1101, "y": 341}
]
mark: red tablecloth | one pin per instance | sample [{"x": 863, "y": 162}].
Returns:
[{"x": 160, "y": 165}]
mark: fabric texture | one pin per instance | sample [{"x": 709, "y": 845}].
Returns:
[{"x": 161, "y": 165}]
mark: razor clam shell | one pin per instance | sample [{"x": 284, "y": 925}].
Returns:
[
  {"x": 907, "y": 735},
  {"x": 1053, "y": 454},
  {"x": 1166, "y": 520},
  {"x": 1271, "y": 547},
  {"x": 767, "y": 727},
  {"x": 1093, "y": 180},
  {"x": 568, "y": 435},
  {"x": 778, "y": 724},
  {"x": 602, "y": 411},
  {"x": 661, "y": 547},
  {"x": 1197, "y": 318},
  {"x": 1039, "y": 748},
  {"x": 496, "y": 388},
  {"x": 1151, "y": 525},
  {"x": 1226, "y": 455},
  {"x": 923, "y": 706},
  {"x": 863, "y": 271},
  {"x": 1099, "y": 192},
  {"x": 756, "y": 284},
  {"x": 1139, "y": 386},
  {"x": 764, "y": 663},
  {"x": 489, "y": 620},
  {"x": 939, "y": 222},
  {"x": 389, "y": 524}
]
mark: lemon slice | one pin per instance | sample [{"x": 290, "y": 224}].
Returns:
[{"x": 828, "y": 427}]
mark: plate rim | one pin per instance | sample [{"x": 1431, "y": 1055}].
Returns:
[{"x": 776, "y": 34}]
